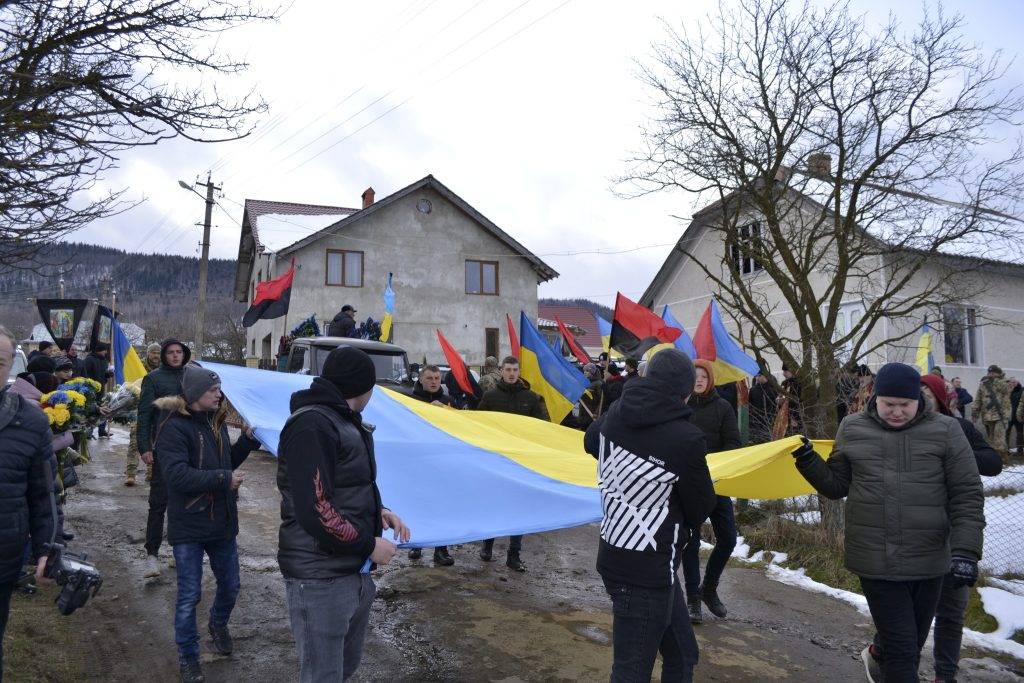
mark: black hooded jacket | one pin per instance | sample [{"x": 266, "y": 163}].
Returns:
[
  {"x": 441, "y": 396},
  {"x": 164, "y": 381},
  {"x": 717, "y": 420},
  {"x": 654, "y": 483},
  {"x": 326, "y": 473}
]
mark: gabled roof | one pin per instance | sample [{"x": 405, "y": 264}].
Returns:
[
  {"x": 249, "y": 241},
  {"x": 580, "y": 321}
]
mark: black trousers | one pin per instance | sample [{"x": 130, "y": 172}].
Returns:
[
  {"x": 5, "y": 608},
  {"x": 902, "y": 612},
  {"x": 157, "y": 510}
]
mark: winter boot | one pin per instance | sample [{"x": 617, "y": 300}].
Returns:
[
  {"x": 129, "y": 480},
  {"x": 221, "y": 639},
  {"x": 872, "y": 664},
  {"x": 693, "y": 607},
  {"x": 487, "y": 550},
  {"x": 709, "y": 594},
  {"x": 415, "y": 553},
  {"x": 442, "y": 558},
  {"x": 514, "y": 563},
  {"x": 191, "y": 672},
  {"x": 152, "y": 567}
]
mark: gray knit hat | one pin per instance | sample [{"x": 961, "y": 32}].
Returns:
[
  {"x": 673, "y": 368},
  {"x": 154, "y": 348},
  {"x": 196, "y": 381}
]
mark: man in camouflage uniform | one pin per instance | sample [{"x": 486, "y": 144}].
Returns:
[
  {"x": 131, "y": 469},
  {"x": 992, "y": 408},
  {"x": 490, "y": 376}
]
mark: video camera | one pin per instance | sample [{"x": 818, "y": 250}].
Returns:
[{"x": 78, "y": 579}]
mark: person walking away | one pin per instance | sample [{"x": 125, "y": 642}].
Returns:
[
  {"x": 97, "y": 368},
  {"x": 654, "y": 484},
  {"x": 428, "y": 389},
  {"x": 914, "y": 511},
  {"x": 491, "y": 375},
  {"x": 512, "y": 395},
  {"x": 344, "y": 323},
  {"x": 199, "y": 466},
  {"x": 160, "y": 383},
  {"x": 992, "y": 407},
  {"x": 763, "y": 407},
  {"x": 131, "y": 467},
  {"x": 963, "y": 397},
  {"x": 949, "y": 614},
  {"x": 26, "y": 487},
  {"x": 714, "y": 416},
  {"x": 332, "y": 517},
  {"x": 1015, "y": 423}
]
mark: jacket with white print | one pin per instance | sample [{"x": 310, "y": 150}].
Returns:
[{"x": 654, "y": 483}]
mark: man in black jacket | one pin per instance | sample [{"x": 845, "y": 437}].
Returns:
[
  {"x": 344, "y": 323},
  {"x": 25, "y": 487},
  {"x": 96, "y": 367},
  {"x": 199, "y": 465},
  {"x": 763, "y": 408},
  {"x": 162, "y": 382},
  {"x": 655, "y": 484},
  {"x": 332, "y": 517},
  {"x": 429, "y": 390}
]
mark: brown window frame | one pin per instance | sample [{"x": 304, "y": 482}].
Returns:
[
  {"x": 496, "y": 332},
  {"x": 362, "y": 267},
  {"x": 481, "y": 264}
]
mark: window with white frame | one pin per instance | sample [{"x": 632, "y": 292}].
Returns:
[
  {"x": 849, "y": 315},
  {"x": 747, "y": 237},
  {"x": 960, "y": 333}
]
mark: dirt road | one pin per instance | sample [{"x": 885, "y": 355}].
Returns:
[{"x": 470, "y": 622}]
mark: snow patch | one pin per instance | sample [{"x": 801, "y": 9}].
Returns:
[{"x": 1006, "y": 607}]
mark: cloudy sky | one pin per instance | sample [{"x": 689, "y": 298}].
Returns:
[{"x": 526, "y": 108}]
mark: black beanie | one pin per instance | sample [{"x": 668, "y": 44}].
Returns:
[
  {"x": 897, "y": 380},
  {"x": 351, "y": 370}
]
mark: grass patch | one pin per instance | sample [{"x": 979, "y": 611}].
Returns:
[
  {"x": 1018, "y": 636},
  {"x": 976, "y": 618},
  {"x": 806, "y": 547},
  {"x": 40, "y": 644}
]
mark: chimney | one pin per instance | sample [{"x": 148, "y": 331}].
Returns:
[
  {"x": 819, "y": 165},
  {"x": 367, "y": 197}
]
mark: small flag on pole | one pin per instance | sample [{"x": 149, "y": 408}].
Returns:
[{"x": 386, "y": 325}]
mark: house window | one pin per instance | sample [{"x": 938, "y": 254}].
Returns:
[
  {"x": 960, "y": 330},
  {"x": 747, "y": 237},
  {"x": 482, "y": 277},
  {"x": 849, "y": 315},
  {"x": 344, "y": 268},
  {"x": 491, "y": 341},
  {"x": 254, "y": 347}
]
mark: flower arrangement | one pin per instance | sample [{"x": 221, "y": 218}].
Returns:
[
  {"x": 118, "y": 404},
  {"x": 85, "y": 394}
]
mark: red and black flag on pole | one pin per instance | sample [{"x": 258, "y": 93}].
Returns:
[
  {"x": 636, "y": 330},
  {"x": 574, "y": 345},
  {"x": 459, "y": 370},
  {"x": 272, "y": 299}
]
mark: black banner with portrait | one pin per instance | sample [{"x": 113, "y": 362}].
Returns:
[
  {"x": 62, "y": 318},
  {"x": 102, "y": 328}
]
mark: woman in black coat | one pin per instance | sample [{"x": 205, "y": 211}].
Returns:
[{"x": 717, "y": 419}]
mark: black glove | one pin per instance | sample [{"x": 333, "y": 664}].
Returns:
[
  {"x": 963, "y": 571},
  {"x": 804, "y": 453}
]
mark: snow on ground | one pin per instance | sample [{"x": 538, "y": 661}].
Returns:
[
  {"x": 1011, "y": 477},
  {"x": 1006, "y": 607},
  {"x": 1004, "y": 535}
]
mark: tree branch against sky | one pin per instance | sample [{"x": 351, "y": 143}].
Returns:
[{"x": 81, "y": 81}]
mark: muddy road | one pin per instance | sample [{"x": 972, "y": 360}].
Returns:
[{"x": 472, "y": 622}]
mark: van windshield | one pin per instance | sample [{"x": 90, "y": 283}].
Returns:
[{"x": 390, "y": 367}]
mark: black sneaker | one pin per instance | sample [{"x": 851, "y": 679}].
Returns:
[
  {"x": 710, "y": 598},
  {"x": 191, "y": 672},
  {"x": 486, "y": 551},
  {"x": 514, "y": 563},
  {"x": 415, "y": 553},
  {"x": 221, "y": 639},
  {"x": 693, "y": 607},
  {"x": 442, "y": 558}
]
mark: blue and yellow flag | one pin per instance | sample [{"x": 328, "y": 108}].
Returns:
[
  {"x": 683, "y": 343},
  {"x": 458, "y": 475},
  {"x": 549, "y": 373},
  {"x": 128, "y": 366},
  {"x": 925, "y": 361},
  {"x": 389, "y": 311},
  {"x": 713, "y": 343}
]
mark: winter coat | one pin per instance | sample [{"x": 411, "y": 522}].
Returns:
[
  {"x": 25, "y": 513},
  {"x": 762, "y": 411},
  {"x": 990, "y": 464},
  {"x": 31, "y": 393},
  {"x": 612, "y": 390},
  {"x": 515, "y": 398},
  {"x": 327, "y": 476},
  {"x": 1015, "y": 404},
  {"x": 96, "y": 368},
  {"x": 713, "y": 415},
  {"x": 421, "y": 394},
  {"x": 488, "y": 381},
  {"x": 591, "y": 405},
  {"x": 654, "y": 483},
  {"x": 201, "y": 507},
  {"x": 963, "y": 399},
  {"x": 992, "y": 401},
  {"x": 342, "y": 325},
  {"x": 164, "y": 381},
  {"x": 913, "y": 494}
]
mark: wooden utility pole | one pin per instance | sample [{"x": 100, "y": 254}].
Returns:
[{"x": 204, "y": 264}]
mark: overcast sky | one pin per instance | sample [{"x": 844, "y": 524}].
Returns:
[{"x": 526, "y": 109}]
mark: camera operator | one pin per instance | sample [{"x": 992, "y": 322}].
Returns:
[{"x": 25, "y": 452}]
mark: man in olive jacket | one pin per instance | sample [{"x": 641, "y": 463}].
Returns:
[{"x": 914, "y": 510}]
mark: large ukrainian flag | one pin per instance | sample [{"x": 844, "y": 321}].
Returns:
[
  {"x": 550, "y": 374},
  {"x": 458, "y": 475}
]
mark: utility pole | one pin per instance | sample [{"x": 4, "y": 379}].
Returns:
[{"x": 204, "y": 263}]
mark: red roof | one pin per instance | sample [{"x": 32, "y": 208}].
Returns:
[{"x": 578, "y": 316}]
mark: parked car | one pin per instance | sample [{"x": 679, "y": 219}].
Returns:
[
  {"x": 308, "y": 354},
  {"x": 18, "y": 366}
]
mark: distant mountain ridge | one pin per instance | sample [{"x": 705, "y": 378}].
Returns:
[{"x": 592, "y": 306}]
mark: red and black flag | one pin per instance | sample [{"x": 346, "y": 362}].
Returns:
[
  {"x": 459, "y": 370},
  {"x": 271, "y": 300},
  {"x": 574, "y": 346},
  {"x": 636, "y": 330}
]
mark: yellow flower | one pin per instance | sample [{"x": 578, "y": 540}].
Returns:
[
  {"x": 61, "y": 415},
  {"x": 45, "y": 398},
  {"x": 76, "y": 398},
  {"x": 50, "y": 415}
]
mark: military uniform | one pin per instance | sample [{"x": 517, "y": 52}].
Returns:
[
  {"x": 992, "y": 409},
  {"x": 131, "y": 468}
]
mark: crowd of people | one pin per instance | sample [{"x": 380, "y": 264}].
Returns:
[{"x": 906, "y": 458}]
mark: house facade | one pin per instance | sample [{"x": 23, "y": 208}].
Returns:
[
  {"x": 986, "y": 328},
  {"x": 453, "y": 269}
]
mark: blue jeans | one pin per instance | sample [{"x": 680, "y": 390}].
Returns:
[
  {"x": 188, "y": 558},
  {"x": 329, "y": 619},
  {"x": 646, "y": 621},
  {"x": 723, "y": 523}
]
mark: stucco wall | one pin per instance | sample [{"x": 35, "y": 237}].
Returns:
[{"x": 427, "y": 254}]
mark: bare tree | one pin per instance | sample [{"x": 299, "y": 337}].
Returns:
[
  {"x": 835, "y": 140},
  {"x": 83, "y": 80}
]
